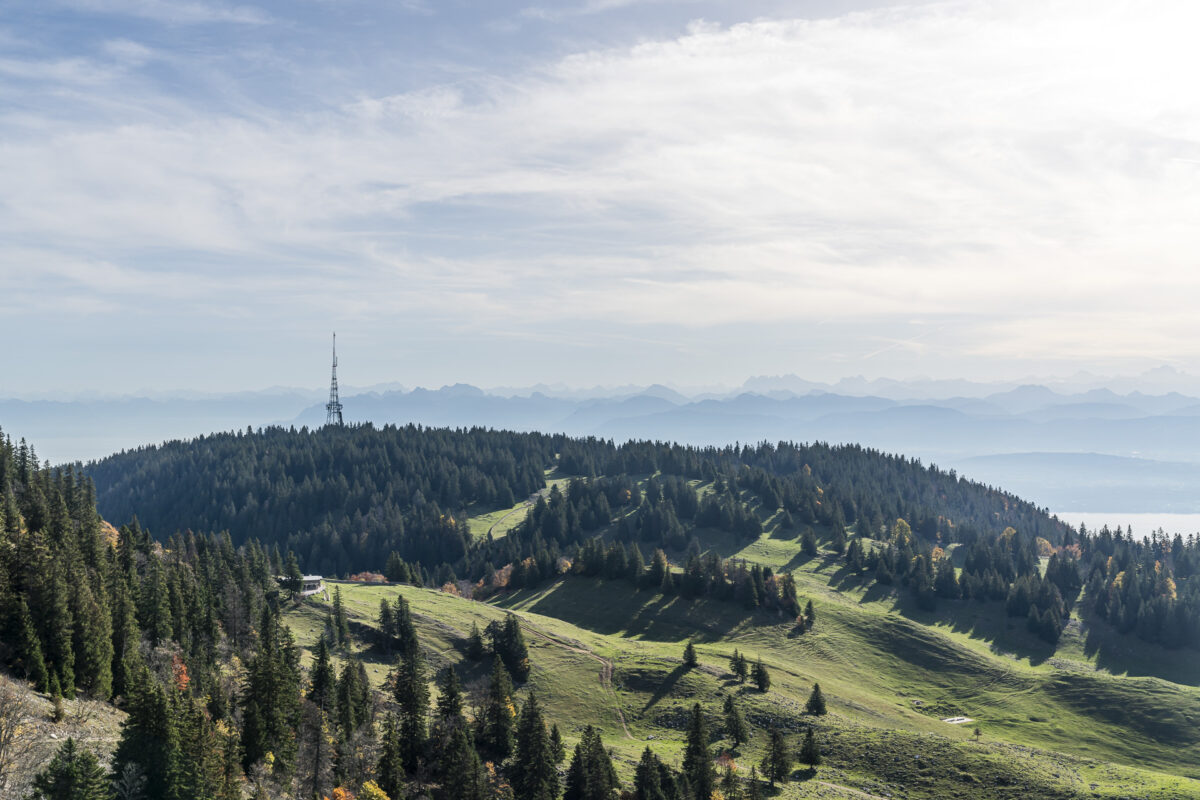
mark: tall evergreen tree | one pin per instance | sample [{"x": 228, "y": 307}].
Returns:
[
  {"x": 762, "y": 678},
  {"x": 777, "y": 761},
  {"x": 697, "y": 761},
  {"x": 323, "y": 683},
  {"x": 810, "y": 751},
  {"x": 736, "y": 728},
  {"x": 591, "y": 775},
  {"x": 534, "y": 774},
  {"x": 816, "y": 701},
  {"x": 412, "y": 696},
  {"x": 73, "y": 774},
  {"x": 494, "y": 732}
]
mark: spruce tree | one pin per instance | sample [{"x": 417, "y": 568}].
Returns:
[
  {"x": 697, "y": 762},
  {"x": 648, "y": 779},
  {"x": 29, "y": 649},
  {"x": 92, "y": 641},
  {"x": 534, "y": 775},
  {"x": 556, "y": 745},
  {"x": 810, "y": 751},
  {"x": 689, "y": 655},
  {"x": 323, "y": 688},
  {"x": 73, "y": 774},
  {"x": 816, "y": 701},
  {"x": 462, "y": 774},
  {"x": 777, "y": 761},
  {"x": 475, "y": 649},
  {"x": 494, "y": 732},
  {"x": 736, "y": 728},
  {"x": 390, "y": 770},
  {"x": 341, "y": 627},
  {"x": 762, "y": 678},
  {"x": 591, "y": 775},
  {"x": 412, "y": 695}
]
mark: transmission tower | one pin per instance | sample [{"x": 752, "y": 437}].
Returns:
[{"x": 333, "y": 409}]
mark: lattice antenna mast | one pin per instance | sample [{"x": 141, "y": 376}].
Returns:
[{"x": 333, "y": 409}]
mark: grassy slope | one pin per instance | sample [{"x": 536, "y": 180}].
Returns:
[{"x": 873, "y": 662}]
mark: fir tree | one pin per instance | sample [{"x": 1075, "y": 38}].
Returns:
[
  {"x": 591, "y": 775},
  {"x": 810, "y": 751},
  {"x": 556, "y": 745},
  {"x": 412, "y": 695},
  {"x": 689, "y": 656},
  {"x": 73, "y": 774},
  {"x": 29, "y": 649},
  {"x": 390, "y": 770},
  {"x": 777, "y": 761},
  {"x": 697, "y": 763},
  {"x": 648, "y": 779},
  {"x": 323, "y": 688},
  {"x": 462, "y": 773},
  {"x": 816, "y": 701},
  {"x": 534, "y": 775},
  {"x": 341, "y": 627},
  {"x": 736, "y": 728},
  {"x": 494, "y": 733},
  {"x": 475, "y": 650},
  {"x": 762, "y": 678}
]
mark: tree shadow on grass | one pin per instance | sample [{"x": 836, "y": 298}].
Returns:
[
  {"x": 665, "y": 687},
  {"x": 615, "y": 608},
  {"x": 1125, "y": 654}
]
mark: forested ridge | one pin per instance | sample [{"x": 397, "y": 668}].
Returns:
[{"x": 343, "y": 499}]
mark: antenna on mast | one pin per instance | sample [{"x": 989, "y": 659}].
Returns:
[{"x": 333, "y": 409}]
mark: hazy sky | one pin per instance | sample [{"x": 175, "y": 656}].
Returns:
[{"x": 193, "y": 194}]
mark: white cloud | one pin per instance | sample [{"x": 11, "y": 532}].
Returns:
[
  {"x": 173, "y": 12},
  {"x": 1006, "y": 158}
]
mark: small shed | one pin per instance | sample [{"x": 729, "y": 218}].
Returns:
[{"x": 311, "y": 584}]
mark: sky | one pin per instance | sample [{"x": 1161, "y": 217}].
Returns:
[{"x": 195, "y": 194}]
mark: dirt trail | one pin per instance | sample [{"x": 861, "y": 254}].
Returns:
[
  {"x": 525, "y": 506},
  {"x": 606, "y": 669}
]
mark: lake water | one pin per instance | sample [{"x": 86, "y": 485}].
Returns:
[{"x": 1143, "y": 523}]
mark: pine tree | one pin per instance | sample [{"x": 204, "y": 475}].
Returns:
[
  {"x": 689, "y": 655},
  {"x": 29, "y": 649},
  {"x": 810, "y": 616},
  {"x": 92, "y": 641},
  {"x": 449, "y": 702},
  {"x": 341, "y": 627},
  {"x": 777, "y": 761},
  {"x": 494, "y": 733},
  {"x": 412, "y": 695},
  {"x": 816, "y": 701},
  {"x": 390, "y": 770},
  {"x": 755, "y": 790},
  {"x": 762, "y": 678},
  {"x": 323, "y": 686},
  {"x": 735, "y": 724},
  {"x": 148, "y": 736},
  {"x": 697, "y": 763},
  {"x": 475, "y": 649},
  {"x": 591, "y": 775},
  {"x": 462, "y": 774},
  {"x": 73, "y": 774},
  {"x": 556, "y": 745},
  {"x": 534, "y": 775},
  {"x": 648, "y": 779},
  {"x": 810, "y": 751}
]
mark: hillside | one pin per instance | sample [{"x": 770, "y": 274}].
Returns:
[
  {"x": 613, "y": 659},
  {"x": 343, "y": 499}
]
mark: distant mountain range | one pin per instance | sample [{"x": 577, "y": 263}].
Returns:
[{"x": 1094, "y": 448}]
